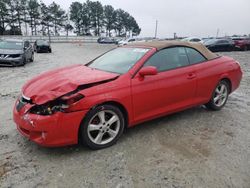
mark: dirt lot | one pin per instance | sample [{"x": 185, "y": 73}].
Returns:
[{"x": 194, "y": 148}]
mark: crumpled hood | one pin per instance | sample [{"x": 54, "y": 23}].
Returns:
[{"x": 53, "y": 84}]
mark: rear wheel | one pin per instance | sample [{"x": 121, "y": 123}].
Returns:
[
  {"x": 102, "y": 127},
  {"x": 219, "y": 97}
]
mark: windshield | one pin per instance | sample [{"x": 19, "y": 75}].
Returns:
[
  {"x": 11, "y": 45},
  {"x": 42, "y": 42},
  {"x": 211, "y": 41},
  {"x": 119, "y": 60}
]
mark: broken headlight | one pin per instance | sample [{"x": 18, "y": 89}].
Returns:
[{"x": 61, "y": 104}]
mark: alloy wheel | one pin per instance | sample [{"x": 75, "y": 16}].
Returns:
[
  {"x": 220, "y": 95},
  {"x": 103, "y": 127}
]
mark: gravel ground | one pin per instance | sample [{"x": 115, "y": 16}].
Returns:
[{"x": 193, "y": 148}]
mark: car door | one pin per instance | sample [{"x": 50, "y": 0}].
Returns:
[
  {"x": 172, "y": 89},
  {"x": 218, "y": 46},
  {"x": 205, "y": 71},
  {"x": 226, "y": 45},
  {"x": 223, "y": 45}
]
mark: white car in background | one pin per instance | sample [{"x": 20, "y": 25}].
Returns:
[
  {"x": 192, "y": 39},
  {"x": 125, "y": 42}
]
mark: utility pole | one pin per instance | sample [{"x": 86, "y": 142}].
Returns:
[
  {"x": 217, "y": 34},
  {"x": 156, "y": 28},
  {"x": 67, "y": 25},
  {"x": 175, "y": 36}
]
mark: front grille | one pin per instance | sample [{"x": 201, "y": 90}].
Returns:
[
  {"x": 3, "y": 56},
  {"x": 14, "y": 55}
]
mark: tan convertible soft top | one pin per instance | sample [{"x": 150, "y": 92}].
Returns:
[{"x": 171, "y": 43}]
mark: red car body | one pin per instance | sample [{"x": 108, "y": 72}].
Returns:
[
  {"x": 140, "y": 99},
  {"x": 242, "y": 43}
]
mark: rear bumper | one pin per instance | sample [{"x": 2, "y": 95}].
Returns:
[
  {"x": 236, "y": 77},
  {"x": 59, "y": 129},
  {"x": 43, "y": 49},
  {"x": 242, "y": 46}
]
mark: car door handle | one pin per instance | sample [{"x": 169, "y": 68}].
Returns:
[{"x": 191, "y": 76}]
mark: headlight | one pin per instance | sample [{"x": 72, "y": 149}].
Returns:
[{"x": 61, "y": 104}]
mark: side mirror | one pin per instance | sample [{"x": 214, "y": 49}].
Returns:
[{"x": 149, "y": 70}]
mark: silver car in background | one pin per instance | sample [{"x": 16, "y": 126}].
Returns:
[{"x": 15, "y": 52}]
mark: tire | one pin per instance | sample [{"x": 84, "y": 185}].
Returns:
[
  {"x": 219, "y": 96},
  {"x": 22, "y": 63},
  {"x": 102, "y": 127},
  {"x": 245, "y": 48},
  {"x": 50, "y": 51}
]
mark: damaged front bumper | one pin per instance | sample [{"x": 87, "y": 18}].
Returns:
[{"x": 54, "y": 130}]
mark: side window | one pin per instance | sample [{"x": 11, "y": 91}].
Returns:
[
  {"x": 222, "y": 42},
  {"x": 194, "y": 56},
  {"x": 26, "y": 44},
  {"x": 195, "y": 40},
  {"x": 169, "y": 58}
]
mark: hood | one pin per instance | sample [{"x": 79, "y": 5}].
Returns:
[
  {"x": 10, "y": 51},
  {"x": 53, "y": 84}
]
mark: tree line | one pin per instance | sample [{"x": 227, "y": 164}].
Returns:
[{"x": 19, "y": 17}]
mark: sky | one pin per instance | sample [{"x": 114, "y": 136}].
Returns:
[{"x": 199, "y": 18}]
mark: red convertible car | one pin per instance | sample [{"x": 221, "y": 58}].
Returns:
[{"x": 94, "y": 103}]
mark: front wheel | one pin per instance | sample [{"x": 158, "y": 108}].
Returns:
[
  {"x": 22, "y": 62},
  {"x": 102, "y": 127},
  {"x": 219, "y": 96}
]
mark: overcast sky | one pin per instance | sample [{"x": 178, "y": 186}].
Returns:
[{"x": 199, "y": 18}]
